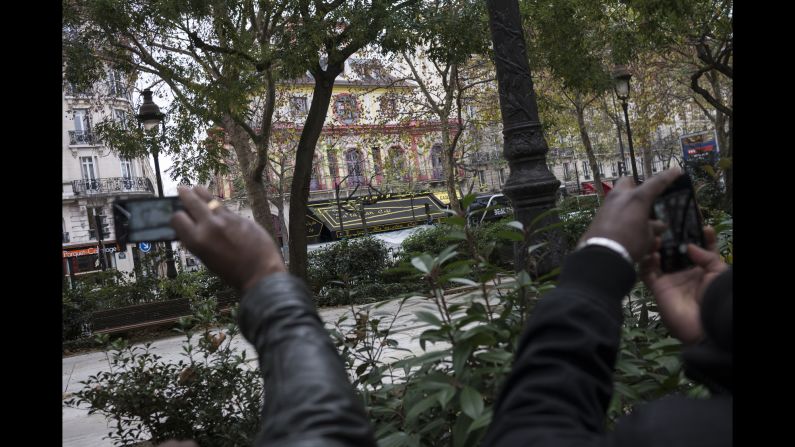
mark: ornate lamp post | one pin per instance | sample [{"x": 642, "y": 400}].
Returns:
[
  {"x": 150, "y": 116},
  {"x": 622, "y": 76},
  {"x": 622, "y": 170},
  {"x": 531, "y": 187}
]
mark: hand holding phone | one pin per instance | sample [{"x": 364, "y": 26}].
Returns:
[
  {"x": 677, "y": 208},
  {"x": 145, "y": 220}
]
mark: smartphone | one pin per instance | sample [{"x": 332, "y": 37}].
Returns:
[
  {"x": 677, "y": 208},
  {"x": 145, "y": 220}
]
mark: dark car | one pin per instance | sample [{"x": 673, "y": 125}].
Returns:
[{"x": 488, "y": 208}]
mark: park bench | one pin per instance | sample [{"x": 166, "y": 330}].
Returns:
[{"x": 148, "y": 315}]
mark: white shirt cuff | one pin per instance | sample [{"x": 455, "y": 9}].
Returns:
[{"x": 607, "y": 243}]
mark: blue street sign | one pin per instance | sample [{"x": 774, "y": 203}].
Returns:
[{"x": 145, "y": 246}]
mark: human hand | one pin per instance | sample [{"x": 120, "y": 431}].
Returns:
[
  {"x": 239, "y": 250},
  {"x": 679, "y": 294},
  {"x": 624, "y": 217}
]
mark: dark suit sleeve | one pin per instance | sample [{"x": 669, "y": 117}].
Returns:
[
  {"x": 562, "y": 378},
  {"x": 308, "y": 398}
]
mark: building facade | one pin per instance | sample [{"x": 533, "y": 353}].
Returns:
[
  {"x": 93, "y": 176},
  {"x": 370, "y": 145}
]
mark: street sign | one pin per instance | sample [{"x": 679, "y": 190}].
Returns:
[
  {"x": 145, "y": 247},
  {"x": 700, "y": 147}
]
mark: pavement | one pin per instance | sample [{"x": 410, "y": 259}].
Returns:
[{"x": 84, "y": 430}]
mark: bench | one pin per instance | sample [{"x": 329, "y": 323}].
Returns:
[{"x": 149, "y": 315}]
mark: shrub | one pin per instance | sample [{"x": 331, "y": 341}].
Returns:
[
  {"x": 435, "y": 239},
  {"x": 212, "y": 396},
  {"x": 576, "y": 213},
  {"x": 112, "y": 289},
  {"x": 348, "y": 261}
]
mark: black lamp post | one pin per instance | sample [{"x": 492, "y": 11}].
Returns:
[
  {"x": 150, "y": 116},
  {"x": 531, "y": 188},
  {"x": 622, "y": 77},
  {"x": 622, "y": 169}
]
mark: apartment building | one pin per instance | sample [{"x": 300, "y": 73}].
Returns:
[{"x": 93, "y": 176}]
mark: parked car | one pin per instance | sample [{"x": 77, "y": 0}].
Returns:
[{"x": 488, "y": 208}]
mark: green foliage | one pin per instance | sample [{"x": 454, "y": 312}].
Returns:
[
  {"x": 112, "y": 289},
  {"x": 649, "y": 364},
  {"x": 571, "y": 38},
  {"x": 355, "y": 271},
  {"x": 490, "y": 239},
  {"x": 213, "y": 396},
  {"x": 576, "y": 213},
  {"x": 438, "y": 25},
  {"x": 348, "y": 261},
  {"x": 445, "y": 395}
]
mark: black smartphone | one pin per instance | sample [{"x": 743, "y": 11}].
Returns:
[
  {"x": 678, "y": 209},
  {"x": 145, "y": 220}
]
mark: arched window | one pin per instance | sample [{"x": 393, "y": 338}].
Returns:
[
  {"x": 332, "y": 166},
  {"x": 345, "y": 108},
  {"x": 436, "y": 162},
  {"x": 398, "y": 166},
  {"x": 354, "y": 161},
  {"x": 315, "y": 182}
]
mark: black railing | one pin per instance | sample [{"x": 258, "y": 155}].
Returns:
[
  {"x": 112, "y": 185},
  {"x": 484, "y": 157},
  {"x": 81, "y": 137}
]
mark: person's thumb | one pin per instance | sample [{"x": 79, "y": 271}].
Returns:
[{"x": 708, "y": 260}]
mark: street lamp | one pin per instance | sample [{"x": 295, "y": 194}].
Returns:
[
  {"x": 150, "y": 116},
  {"x": 622, "y": 76},
  {"x": 622, "y": 169}
]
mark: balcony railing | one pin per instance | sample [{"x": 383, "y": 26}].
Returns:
[
  {"x": 484, "y": 157},
  {"x": 81, "y": 137},
  {"x": 112, "y": 185}
]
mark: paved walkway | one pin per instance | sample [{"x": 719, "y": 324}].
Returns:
[{"x": 83, "y": 430}]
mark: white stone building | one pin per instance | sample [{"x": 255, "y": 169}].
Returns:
[{"x": 93, "y": 176}]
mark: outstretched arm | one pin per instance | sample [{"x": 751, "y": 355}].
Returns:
[
  {"x": 562, "y": 378},
  {"x": 308, "y": 399}
]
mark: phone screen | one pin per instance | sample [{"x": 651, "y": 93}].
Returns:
[
  {"x": 678, "y": 209},
  {"x": 146, "y": 220}
]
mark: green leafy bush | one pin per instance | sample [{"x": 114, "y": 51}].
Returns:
[
  {"x": 212, "y": 396},
  {"x": 349, "y": 262},
  {"x": 486, "y": 239},
  {"x": 112, "y": 289},
  {"x": 356, "y": 271},
  {"x": 576, "y": 213}
]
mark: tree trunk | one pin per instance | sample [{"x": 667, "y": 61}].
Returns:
[
  {"x": 728, "y": 172},
  {"x": 255, "y": 191},
  {"x": 448, "y": 164},
  {"x": 586, "y": 141},
  {"x": 299, "y": 189},
  {"x": 647, "y": 154},
  {"x": 724, "y": 137}
]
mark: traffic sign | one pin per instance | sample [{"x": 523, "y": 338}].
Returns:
[{"x": 145, "y": 246}]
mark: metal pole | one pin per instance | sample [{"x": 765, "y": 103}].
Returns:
[
  {"x": 100, "y": 245},
  {"x": 171, "y": 270},
  {"x": 531, "y": 187},
  {"x": 622, "y": 170},
  {"x": 629, "y": 140},
  {"x": 339, "y": 207},
  {"x": 413, "y": 217}
]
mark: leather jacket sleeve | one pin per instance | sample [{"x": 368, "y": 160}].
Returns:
[
  {"x": 308, "y": 398},
  {"x": 562, "y": 379}
]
